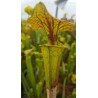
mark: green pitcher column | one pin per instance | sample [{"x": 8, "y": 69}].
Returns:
[{"x": 52, "y": 55}]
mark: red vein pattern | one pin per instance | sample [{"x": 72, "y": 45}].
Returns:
[{"x": 42, "y": 19}]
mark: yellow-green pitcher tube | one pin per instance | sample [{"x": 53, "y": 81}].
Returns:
[{"x": 52, "y": 55}]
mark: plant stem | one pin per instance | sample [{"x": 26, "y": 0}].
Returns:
[
  {"x": 25, "y": 84},
  {"x": 64, "y": 85},
  {"x": 31, "y": 74},
  {"x": 51, "y": 93}
]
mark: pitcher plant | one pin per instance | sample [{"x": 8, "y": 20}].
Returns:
[
  {"x": 52, "y": 56},
  {"x": 52, "y": 51}
]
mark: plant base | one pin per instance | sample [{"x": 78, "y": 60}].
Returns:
[{"x": 51, "y": 93}]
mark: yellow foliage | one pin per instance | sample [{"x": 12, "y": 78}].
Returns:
[
  {"x": 42, "y": 19},
  {"x": 73, "y": 78},
  {"x": 29, "y": 10}
]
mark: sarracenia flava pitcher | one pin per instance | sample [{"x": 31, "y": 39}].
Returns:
[{"x": 52, "y": 55}]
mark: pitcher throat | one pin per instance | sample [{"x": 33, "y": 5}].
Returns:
[{"x": 51, "y": 93}]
